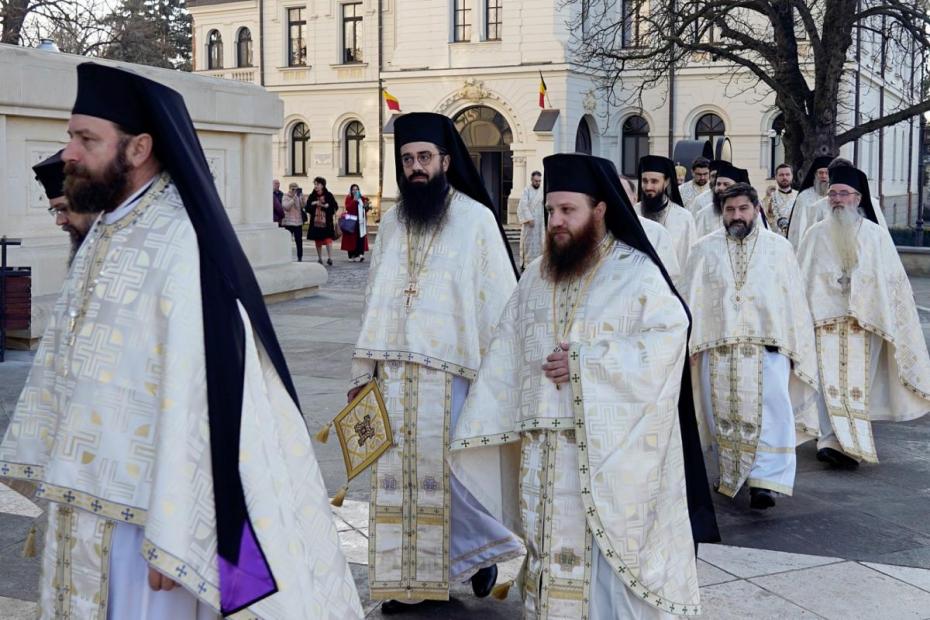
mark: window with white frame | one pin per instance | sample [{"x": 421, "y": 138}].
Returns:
[
  {"x": 296, "y": 37},
  {"x": 461, "y": 20},
  {"x": 353, "y": 136},
  {"x": 300, "y": 136},
  {"x": 352, "y": 32},
  {"x": 494, "y": 16}
]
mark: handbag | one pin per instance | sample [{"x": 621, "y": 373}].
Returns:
[{"x": 348, "y": 226}]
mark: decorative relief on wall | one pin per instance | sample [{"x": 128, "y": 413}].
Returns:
[
  {"x": 473, "y": 90},
  {"x": 216, "y": 160}
]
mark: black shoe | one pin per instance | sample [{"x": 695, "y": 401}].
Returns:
[
  {"x": 329, "y": 262},
  {"x": 392, "y": 607},
  {"x": 837, "y": 459},
  {"x": 361, "y": 259},
  {"x": 483, "y": 581},
  {"x": 319, "y": 260},
  {"x": 760, "y": 499}
]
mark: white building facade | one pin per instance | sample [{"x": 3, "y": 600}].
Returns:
[{"x": 480, "y": 62}]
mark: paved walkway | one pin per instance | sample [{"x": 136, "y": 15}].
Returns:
[{"x": 846, "y": 546}]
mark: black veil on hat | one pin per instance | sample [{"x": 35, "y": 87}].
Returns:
[
  {"x": 663, "y": 165},
  {"x": 51, "y": 174},
  {"x": 819, "y": 162},
  {"x": 728, "y": 171},
  {"x": 856, "y": 179},
  {"x": 140, "y": 105},
  {"x": 598, "y": 177},
  {"x": 462, "y": 174}
]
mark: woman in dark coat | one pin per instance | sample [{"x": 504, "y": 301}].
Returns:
[
  {"x": 355, "y": 242},
  {"x": 321, "y": 209}
]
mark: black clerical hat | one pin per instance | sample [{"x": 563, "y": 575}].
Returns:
[
  {"x": 856, "y": 179},
  {"x": 140, "y": 105},
  {"x": 463, "y": 176},
  {"x": 51, "y": 174},
  {"x": 818, "y": 163},
  {"x": 112, "y": 94},
  {"x": 726, "y": 170},
  {"x": 598, "y": 178},
  {"x": 663, "y": 165},
  {"x": 716, "y": 163}
]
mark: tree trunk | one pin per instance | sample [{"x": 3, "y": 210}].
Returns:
[{"x": 14, "y": 15}]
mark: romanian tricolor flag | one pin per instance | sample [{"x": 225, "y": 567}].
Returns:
[
  {"x": 542, "y": 91},
  {"x": 392, "y": 102}
]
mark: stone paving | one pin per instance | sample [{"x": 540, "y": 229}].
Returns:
[{"x": 848, "y": 544}]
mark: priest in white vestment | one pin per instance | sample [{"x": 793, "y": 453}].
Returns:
[
  {"x": 871, "y": 349},
  {"x": 752, "y": 339},
  {"x": 532, "y": 220},
  {"x": 159, "y": 418},
  {"x": 779, "y": 200},
  {"x": 813, "y": 189},
  {"x": 573, "y": 442},
  {"x": 698, "y": 185},
  {"x": 439, "y": 279},
  {"x": 660, "y": 202}
]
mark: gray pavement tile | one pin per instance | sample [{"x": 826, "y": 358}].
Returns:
[
  {"x": 19, "y": 576},
  {"x": 919, "y": 577},
  {"x": 15, "y": 609},
  {"x": 739, "y": 600},
  {"x": 856, "y": 592}
]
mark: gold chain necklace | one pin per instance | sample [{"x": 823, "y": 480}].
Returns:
[
  {"x": 416, "y": 263},
  {"x": 740, "y": 278}
]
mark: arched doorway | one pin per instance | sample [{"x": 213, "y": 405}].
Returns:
[
  {"x": 488, "y": 136},
  {"x": 583, "y": 142}
]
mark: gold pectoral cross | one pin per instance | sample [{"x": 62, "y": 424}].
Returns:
[{"x": 410, "y": 292}]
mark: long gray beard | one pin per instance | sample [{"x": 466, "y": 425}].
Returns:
[
  {"x": 821, "y": 187},
  {"x": 844, "y": 228}
]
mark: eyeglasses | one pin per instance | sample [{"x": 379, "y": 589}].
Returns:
[
  {"x": 423, "y": 158},
  {"x": 844, "y": 195},
  {"x": 56, "y": 211}
]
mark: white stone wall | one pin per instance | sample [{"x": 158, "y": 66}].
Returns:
[{"x": 235, "y": 124}]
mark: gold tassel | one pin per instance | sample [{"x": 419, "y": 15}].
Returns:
[
  {"x": 323, "y": 435},
  {"x": 501, "y": 590},
  {"x": 339, "y": 497},
  {"x": 29, "y": 548}
]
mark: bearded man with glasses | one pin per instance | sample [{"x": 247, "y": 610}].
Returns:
[
  {"x": 441, "y": 274},
  {"x": 71, "y": 218},
  {"x": 871, "y": 351}
]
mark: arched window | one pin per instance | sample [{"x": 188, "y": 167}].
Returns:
[
  {"x": 709, "y": 127},
  {"x": 352, "y": 144},
  {"x": 777, "y": 150},
  {"x": 300, "y": 135},
  {"x": 635, "y": 144},
  {"x": 583, "y": 140},
  {"x": 214, "y": 50},
  {"x": 244, "y": 48}
]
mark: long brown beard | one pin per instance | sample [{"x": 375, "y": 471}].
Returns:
[
  {"x": 93, "y": 193},
  {"x": 573, "y": 259}
]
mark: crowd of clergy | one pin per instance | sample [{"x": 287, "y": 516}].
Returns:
[{"x": 573, "y": 405}]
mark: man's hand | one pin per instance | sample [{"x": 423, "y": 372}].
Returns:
[
  {"x": 351, "y": 394},
  {"x": 770, "y": 190},
  {"x": 531, "y": 223},
  {"x": 556, "y": 366},
  {"x": 159, "y": 582}
]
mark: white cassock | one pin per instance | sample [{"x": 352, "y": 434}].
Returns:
[
  {"x": 590, "y": 475},
  {"x": 777, "y": 207},
  {"x": 533, "y": 224},
  {"x": 661, "y": 240},
  {"x": 755, "y": 364},
  {"x": 805, "y": 214},
  {"x": 690, "y": 192},
  {"x": 679, "y": 224},
  {"x": 423, "y": 336},
  {"x": 871, "y": 349},
  {"x": 112, "y": 424}
]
